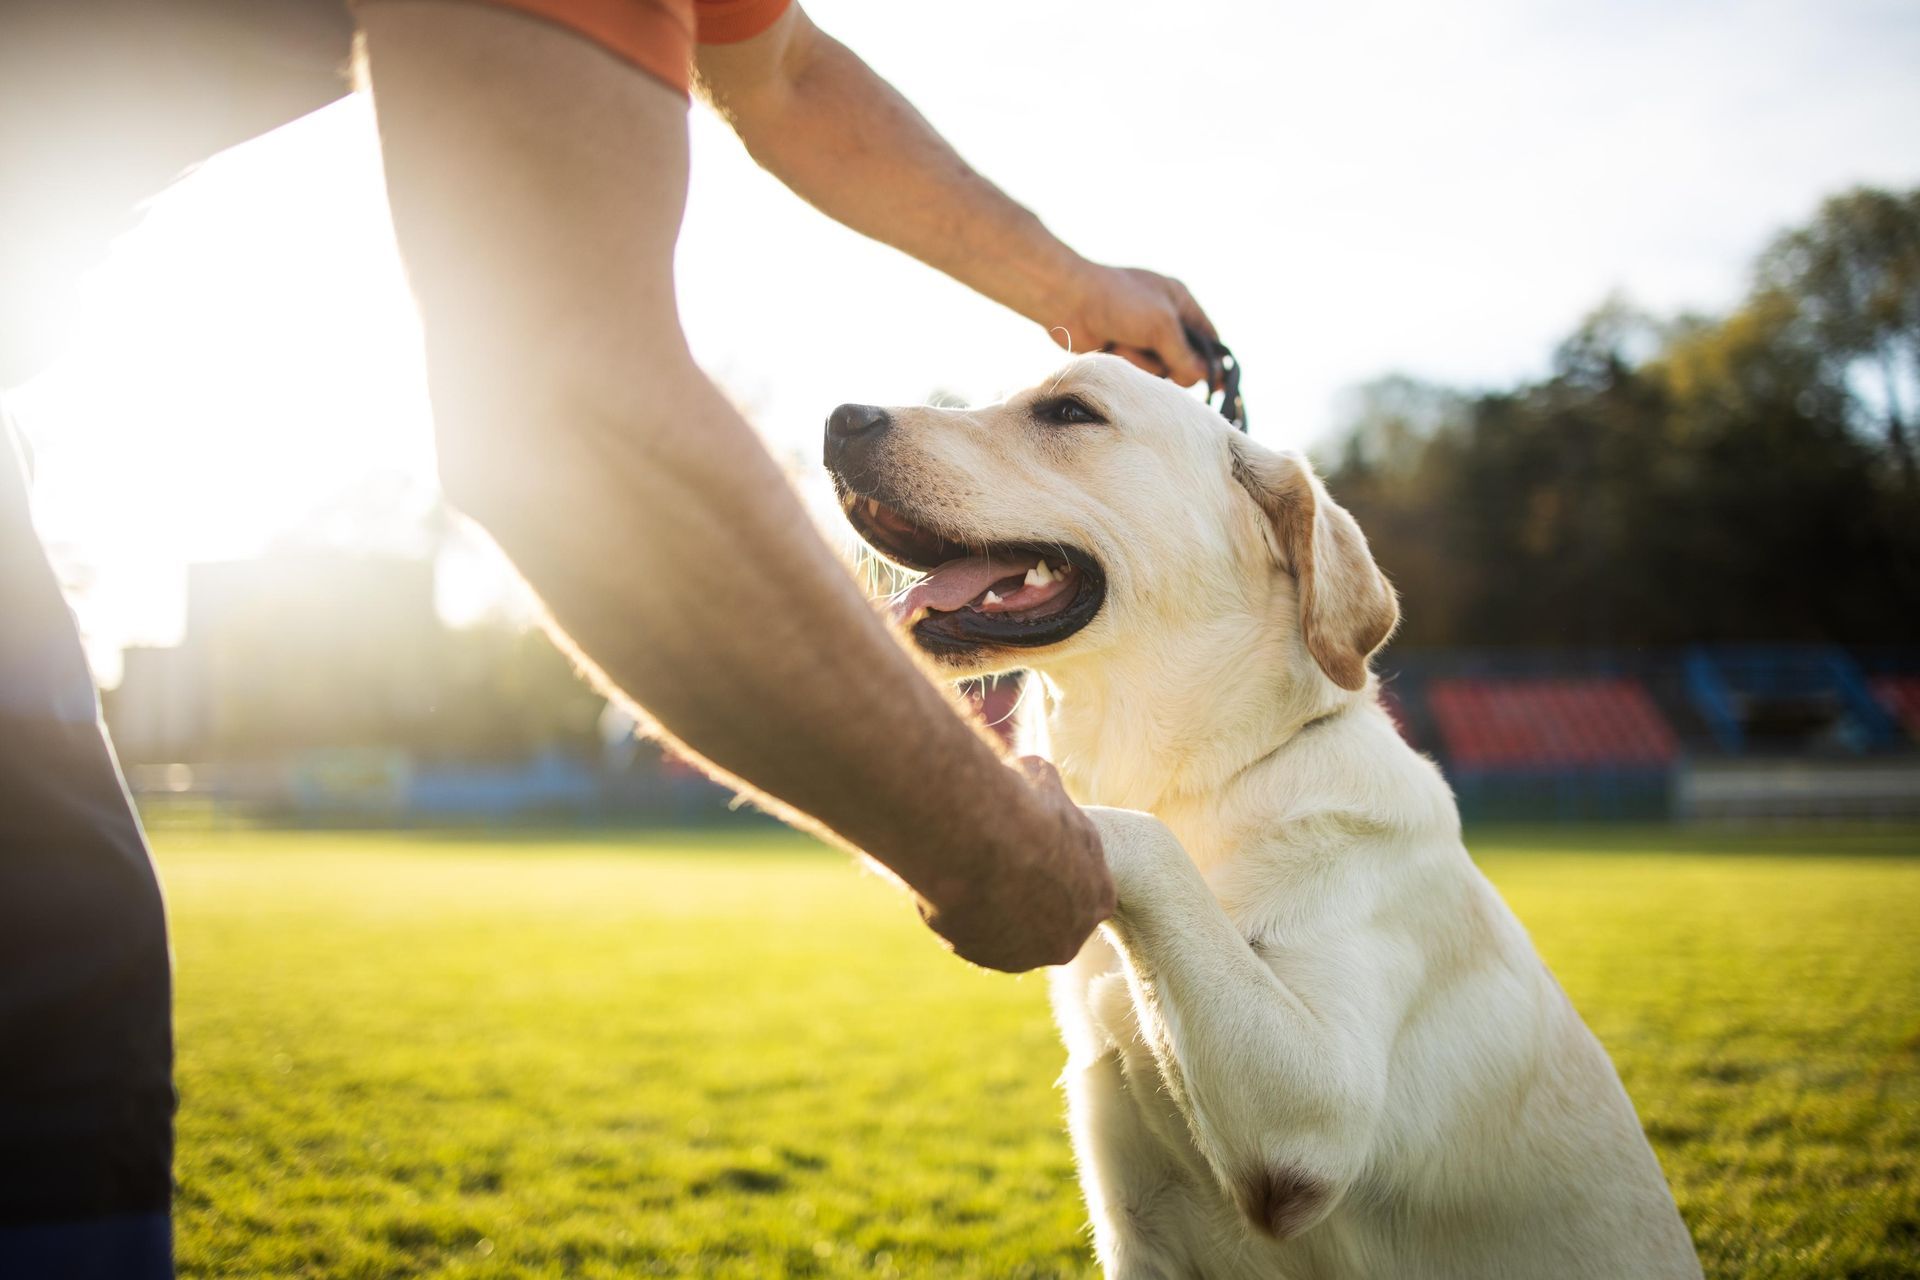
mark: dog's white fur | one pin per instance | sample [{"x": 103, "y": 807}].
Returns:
[{"x": 1314, "y": 1042}]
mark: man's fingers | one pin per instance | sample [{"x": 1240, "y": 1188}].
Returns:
[
  {"x": 1039, "y": 771},
  {"x": 1183, "y": 364},
  {"x": 1141, "y": 357},
  {"x": 1191, "y": 314},
  {"x": 1045, "y": 779},
  {"x": 1193, "y": 318},
  {"x": 1216, "y": 368}
]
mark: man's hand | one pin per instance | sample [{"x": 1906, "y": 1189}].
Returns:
[
  {"x": 1039, "y": 908},
  {"x": 1141, "y": 316}
]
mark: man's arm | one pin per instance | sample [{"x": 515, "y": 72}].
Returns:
[
  {"x": 818, "y": 118},
  {"x": 537, "y": 186}
]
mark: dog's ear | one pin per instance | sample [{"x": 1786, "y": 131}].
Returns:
[{"x": 1347, "y": 606}]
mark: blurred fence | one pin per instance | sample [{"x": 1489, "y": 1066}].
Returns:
[
  {"x": 1703, "y": 734},
  {"x": 385, "y": 787}
]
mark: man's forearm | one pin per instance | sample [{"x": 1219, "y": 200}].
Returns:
[
  {"x": 573, "y": 424},
  {"x": 671, "y": 551},
  {"x": 846, "y": 141}
]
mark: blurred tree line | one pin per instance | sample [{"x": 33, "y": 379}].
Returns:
[
  {"x": 506, "y": 693},
  {"x": 320, "y": 648},
  {"x": 1741, "y": 477}
]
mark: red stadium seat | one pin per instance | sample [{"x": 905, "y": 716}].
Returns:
[
  {"x": 1583, "y": 723},
  {"x": 1900, "y": 695}
]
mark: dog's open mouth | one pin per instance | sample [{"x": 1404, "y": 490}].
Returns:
[{"x": 1024, "y": 595}]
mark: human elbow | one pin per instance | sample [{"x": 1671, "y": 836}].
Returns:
[
  {"x": 485, "y": 472},
  {"x": 511, "y": 448}
]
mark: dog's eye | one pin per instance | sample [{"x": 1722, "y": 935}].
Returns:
[{"x": 1066, "y": 411}]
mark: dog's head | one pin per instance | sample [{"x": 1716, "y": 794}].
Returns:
[{"x": 1103, "y": 508}]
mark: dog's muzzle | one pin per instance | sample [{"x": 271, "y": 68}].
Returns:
[{"x": 852, "y": 428}]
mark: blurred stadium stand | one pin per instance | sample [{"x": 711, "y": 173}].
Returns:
[
  {"x": 1900, "y": 695},
  {"x": 1709, "y": 733},
  {"x": 1760, "y": 698},
  {"x": 322, "y": 687},
  {"x": 1605, "y": 722},
  {"x": 1529, "y": 747}
]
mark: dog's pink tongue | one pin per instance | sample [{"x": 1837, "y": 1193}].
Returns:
[{"x": 954, "y": 585}]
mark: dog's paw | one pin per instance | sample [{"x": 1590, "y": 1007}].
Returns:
[{"x": 1141, "y": 853}]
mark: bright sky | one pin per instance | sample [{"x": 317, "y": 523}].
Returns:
[{"x": 1349, "y": 189}]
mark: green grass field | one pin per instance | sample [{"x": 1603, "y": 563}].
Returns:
[{"x": 727, "y": 1055}]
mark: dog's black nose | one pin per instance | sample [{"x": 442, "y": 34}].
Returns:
[{"x": 853, "y": 420}]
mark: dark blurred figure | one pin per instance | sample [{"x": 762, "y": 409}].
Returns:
[{"x": 105, "y": 102}]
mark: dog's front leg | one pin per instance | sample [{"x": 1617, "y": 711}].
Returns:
[{"x": 1282, "y": 1095}]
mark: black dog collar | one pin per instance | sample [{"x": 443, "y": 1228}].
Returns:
[{"x": 1227, "y": 365}]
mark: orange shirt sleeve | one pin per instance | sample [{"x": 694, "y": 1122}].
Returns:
[
  {"x": 657, "y": 36},
  {"x": 731, "y": 21}
]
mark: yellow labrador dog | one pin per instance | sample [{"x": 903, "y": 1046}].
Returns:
[{"x": 1314, "y": 1042}]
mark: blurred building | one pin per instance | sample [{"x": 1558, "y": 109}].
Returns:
[
  {"x": 323, "y": 686},
  {"x": 289, "y": 651}
]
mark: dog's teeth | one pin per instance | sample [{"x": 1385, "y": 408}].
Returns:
[
  {"x": 990, "y": 597},
  {"x": 1039, "y": 575}
]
